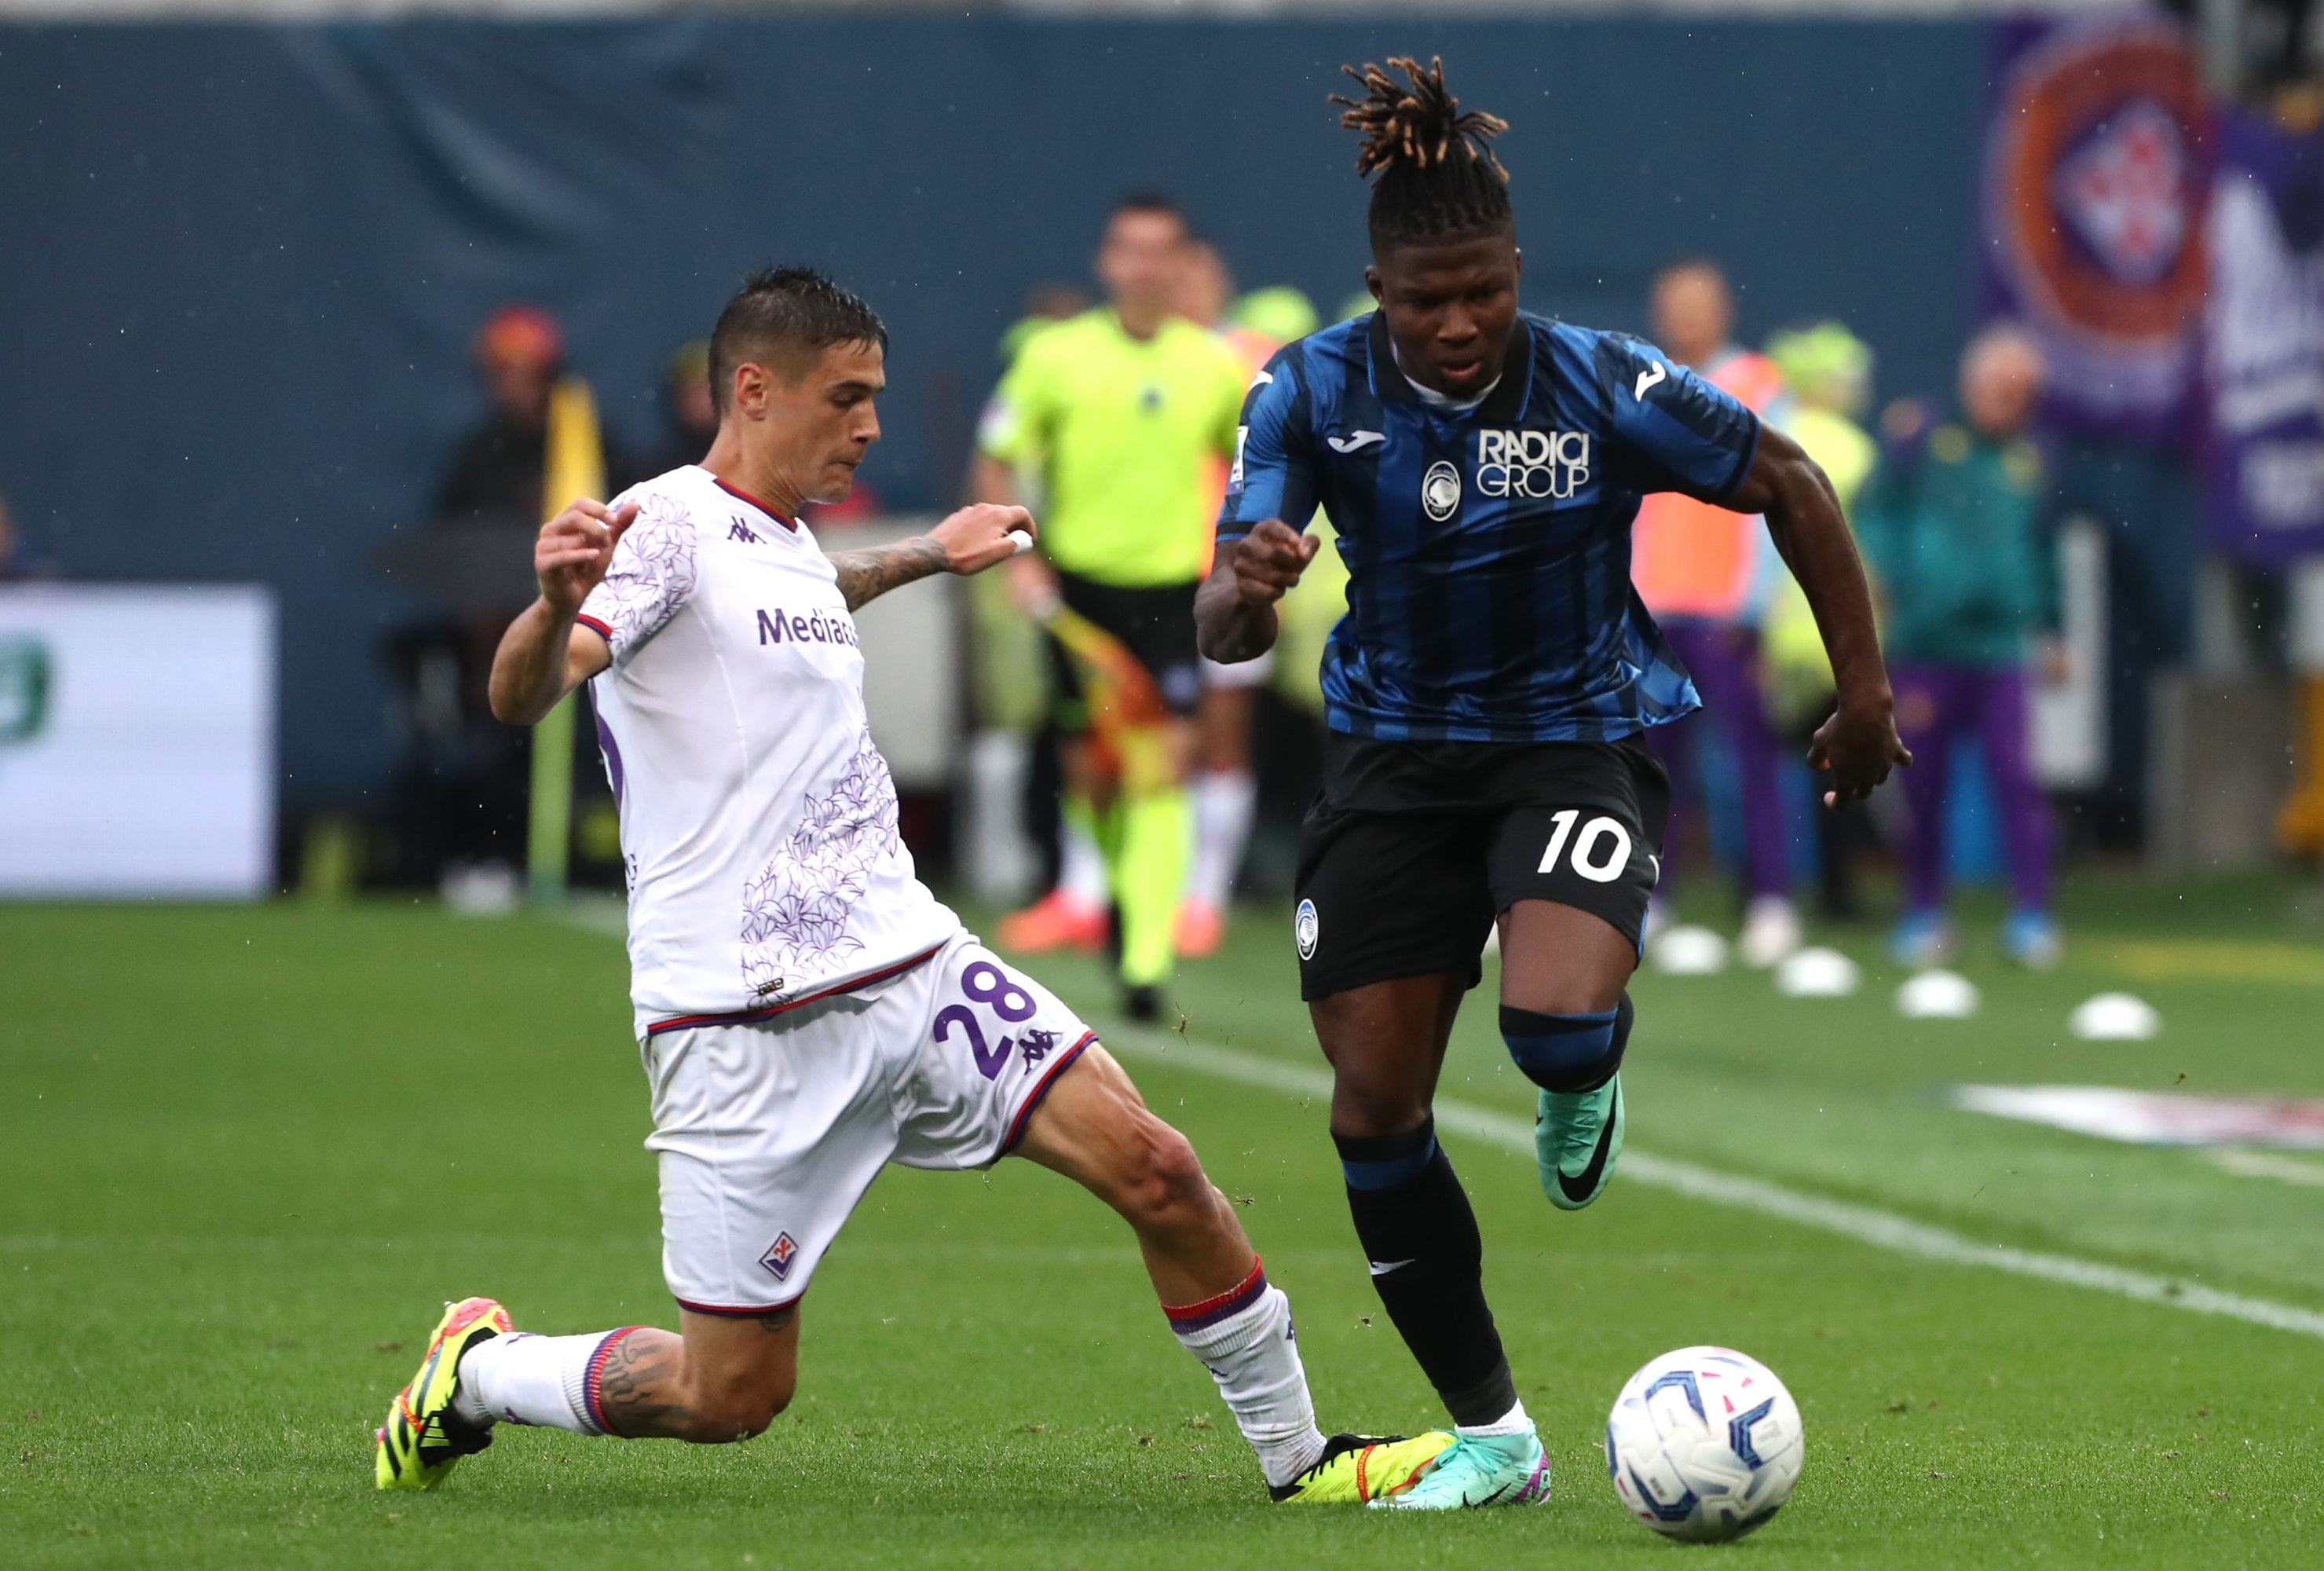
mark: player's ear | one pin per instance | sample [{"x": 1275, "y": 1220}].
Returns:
[
  {"x": 1372, "y": 281},
  {"x": 752, "y": 386}
]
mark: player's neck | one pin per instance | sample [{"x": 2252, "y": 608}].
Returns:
[
  {"x": 1141, "y": 322},
  {"x": 759, "y": 480}
]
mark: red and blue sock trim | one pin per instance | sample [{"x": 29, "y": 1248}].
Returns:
[
  {"x": 1226, "y": 1305},
  {"x": 593, "y": 1381}
]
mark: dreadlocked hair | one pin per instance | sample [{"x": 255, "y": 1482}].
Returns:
[{"x": 1438, "y": 178}]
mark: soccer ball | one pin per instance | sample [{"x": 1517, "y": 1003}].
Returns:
[{"x": 1705, "y": 1445}]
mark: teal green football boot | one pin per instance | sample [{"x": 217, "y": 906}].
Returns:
[
  {"x": 1577, "y": 1137},
  {"x": 1478, "y": 1470}
]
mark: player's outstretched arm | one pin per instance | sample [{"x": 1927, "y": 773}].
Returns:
[
  {"x": 969, "y": 542},
  {"x": 1858, "y": 744},
  {"x": 1234, "y": 610},
  {"x": 543, "y": 656}
]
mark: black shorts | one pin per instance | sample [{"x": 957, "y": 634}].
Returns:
[
  {"x": 1411, "y": 848},
  {"x": 1156, "y": 624}
]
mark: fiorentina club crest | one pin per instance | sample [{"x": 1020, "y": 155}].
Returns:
[
  {"x": 778, "y": 1257},
  {"x": 2125, "y": 192}
]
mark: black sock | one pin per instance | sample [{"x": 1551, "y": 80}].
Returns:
[{"x": 1413, "y": 1218}]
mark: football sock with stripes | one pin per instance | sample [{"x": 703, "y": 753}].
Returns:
[
  {"x": 519, "y": 1378},
  {"x": 1568, "y": 1052},
  {"x": 1427, "y": 1264},
  {"x": 1245, "y": 1339},
  {"x": 1149, "y": 875}
]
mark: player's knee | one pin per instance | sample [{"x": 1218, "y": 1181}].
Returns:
[
  {"x": 1567, "y": 1052},
  {"x": 1165, "y": 1189}
]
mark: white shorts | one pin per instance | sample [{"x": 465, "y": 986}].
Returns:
[
  {"x": 1243, "y": 673},
  {"x": 769, "y": 1134}
]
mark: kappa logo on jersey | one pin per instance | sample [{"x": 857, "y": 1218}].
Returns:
[
  {"x": 781, "y": 626},
  {"x": 742, "y": 532},
  {"x": 1549, "y": 465},
  {"x": 779, "y": 1257},
  {"x": 1440, "y": 492}
]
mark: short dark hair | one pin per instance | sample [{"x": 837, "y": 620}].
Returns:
[
  {"x": 1149, "y": 202},
  {"x": 1439, "y": 180},
  {"x": 781, "y": 313}
]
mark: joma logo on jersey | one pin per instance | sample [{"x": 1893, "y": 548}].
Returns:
[{"x": 1541, "y": 464}]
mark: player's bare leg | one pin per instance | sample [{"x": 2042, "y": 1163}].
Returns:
[{"x": 1095, "y": 1129}]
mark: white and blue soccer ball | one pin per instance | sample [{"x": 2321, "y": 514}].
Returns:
[{"x": 1705, "y": 1445}]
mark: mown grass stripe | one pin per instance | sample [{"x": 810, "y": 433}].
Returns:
[{"x": 1865, "y": 1223}]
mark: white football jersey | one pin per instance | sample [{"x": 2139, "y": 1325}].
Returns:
[{"x": 757, "y": 821}]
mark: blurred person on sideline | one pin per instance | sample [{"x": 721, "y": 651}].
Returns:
[
  {"x": 691, "y": 410},
  {"x": 1225, "y": 791},
  {"x": 496, "y": 472},
  {"x": 1828, "y": 371},
  {"x": 1706, "y": 574},
  {"x": 1119, "y": 416},
  {"x": 18, "y": 565},
  {"x": 1956, "y": 521}
]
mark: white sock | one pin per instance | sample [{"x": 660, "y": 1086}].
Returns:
[
  {"x": 518, "y": 1377},
  {"x": 1081, "y": 869},
  {"x": 1513, "y": 1422},
  {"x": 1244, "y": 1337},
  {"x": 1224, "y": 802}
]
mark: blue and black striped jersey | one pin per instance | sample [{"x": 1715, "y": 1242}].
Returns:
[{"x": 1488, "y": 550}]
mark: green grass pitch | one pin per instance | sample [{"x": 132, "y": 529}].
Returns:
[{"x": 247, "y": 1152}]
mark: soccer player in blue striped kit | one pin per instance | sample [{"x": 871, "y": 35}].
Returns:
[{"x": 1487, "y": 696}]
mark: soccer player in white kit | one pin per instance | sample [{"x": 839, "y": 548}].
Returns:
[{"x": 806, "y": 1011}]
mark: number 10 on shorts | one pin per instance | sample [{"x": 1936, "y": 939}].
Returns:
[{"x": 1601, "y": 851}]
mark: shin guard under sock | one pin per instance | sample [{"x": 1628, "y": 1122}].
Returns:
[{"x": 1427, "y": 1265}]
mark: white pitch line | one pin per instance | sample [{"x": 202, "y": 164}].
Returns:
[{"x": 1865, "y": 1223}]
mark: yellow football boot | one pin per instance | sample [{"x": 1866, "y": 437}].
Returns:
[
  {"x": 423, "y": 1437},
  {"x": 1359, "y": 1468}
]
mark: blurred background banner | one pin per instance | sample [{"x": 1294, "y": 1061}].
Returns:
[
  {"x": 279, "y": 240},
  {"x": 2263, "y": 348},
  {"x": 136, "y": 742},
  {"x": 2095, "y": 173}
]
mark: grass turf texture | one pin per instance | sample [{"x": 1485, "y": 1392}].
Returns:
[{"x": 247, "y": 1152}]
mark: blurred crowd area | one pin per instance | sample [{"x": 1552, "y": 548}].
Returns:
[{"x": 2097, "y": 539}]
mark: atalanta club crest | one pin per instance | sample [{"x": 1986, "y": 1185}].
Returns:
[
  {"x": 1440, "y": 491},
  {"x": 778, "y": 1257},
  {"x": 1303, "y": 930}
]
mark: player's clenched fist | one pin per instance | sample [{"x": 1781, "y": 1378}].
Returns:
[
  {"x": 576, "y": 548},
  {"x": 978, "y": 536},
  {"x": 1269, "y": 561}
]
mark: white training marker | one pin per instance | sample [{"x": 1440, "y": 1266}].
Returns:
[
  {"x": 2113, "y": 1017},
  {"x": 1817, "y": 973},
  {"x": 1688, "y": 951},
  {"x": 1937, "y": 995},
  {"x": 1021, "y": 540}
]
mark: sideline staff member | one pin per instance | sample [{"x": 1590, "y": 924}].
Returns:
[{"x": 1117, "y": 416}]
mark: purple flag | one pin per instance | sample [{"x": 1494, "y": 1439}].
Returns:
[{"x": 2263, "y": 342}]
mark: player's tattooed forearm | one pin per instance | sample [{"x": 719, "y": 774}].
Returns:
[
  {"x": 871, "y": 572},
  {"x": 777, "y": 1319},
  {"x": 642, "y": 1367}
]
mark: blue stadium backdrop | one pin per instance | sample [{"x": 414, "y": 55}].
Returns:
[{"x": 244, "y": 262}]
